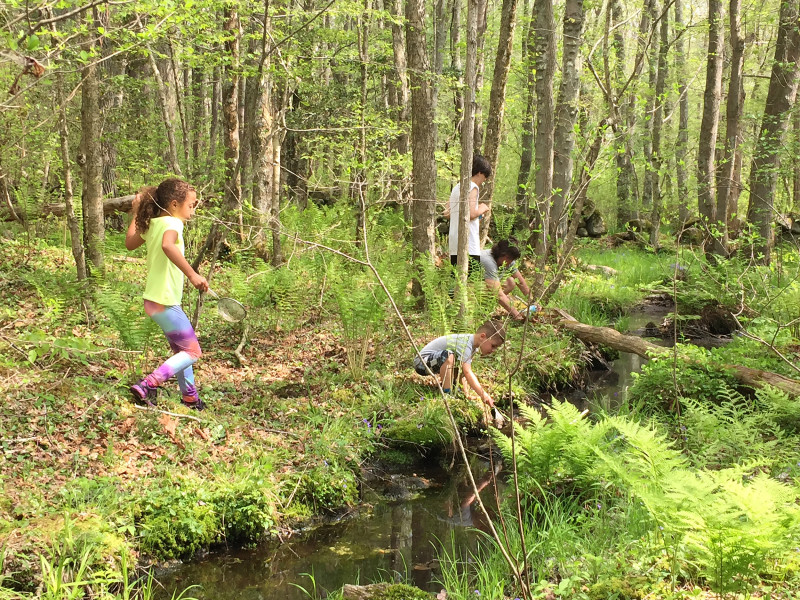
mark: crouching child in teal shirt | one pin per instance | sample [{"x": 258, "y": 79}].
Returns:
[{"x": 439, "y": 356}]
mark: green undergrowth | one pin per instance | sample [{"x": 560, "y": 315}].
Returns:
[{"x": 618, "y": 506}]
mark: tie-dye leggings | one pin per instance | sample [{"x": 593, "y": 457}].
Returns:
[{"x": 183, "y": 341}]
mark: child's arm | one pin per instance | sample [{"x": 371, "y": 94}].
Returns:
[
  {"x": 475, "y": 209},
  {"x": 476, "y": 385},
  {"x": 172, "y": 252},
  {"x": 503, "y": 299},
  {"x": 523, "y": 285},
  {"x": 132, "y": 238}
]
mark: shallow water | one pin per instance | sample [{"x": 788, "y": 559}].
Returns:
[{"x": 384, "y": 541}]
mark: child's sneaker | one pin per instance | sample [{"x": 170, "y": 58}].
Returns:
[
  {"x": 193, "y": 402},
  {"x": 144, "y": 393}
]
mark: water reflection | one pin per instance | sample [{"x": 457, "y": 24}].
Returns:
[{"x": 385, "y": 541}]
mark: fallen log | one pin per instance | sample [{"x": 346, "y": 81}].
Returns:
[
  {"x": 605, "y": 336},
  {"x": 111, "y": 205}
]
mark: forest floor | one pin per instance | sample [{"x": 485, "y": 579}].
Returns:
[{"x": 286, "y": 434}]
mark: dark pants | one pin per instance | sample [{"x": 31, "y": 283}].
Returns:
[{"x": 474, "y": 262}]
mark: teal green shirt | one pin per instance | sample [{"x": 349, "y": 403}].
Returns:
[{"x": 164, "y": 278}]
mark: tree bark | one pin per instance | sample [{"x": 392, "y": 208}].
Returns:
[
  {"x": 480, "y": 65},
  {"x": 709, "y": 125},
  {"x": 423, "y": 134},
  {"x": 605, "y": 336},
  {"x": 658, "y": 121},
  {"x": 545, "y": 61},
  {"x": 401, "y": 102},
  {"x": 467, "y": 142},
  {"x": 682, "y": 143},
  {"x": 497, "y": 100},
  {"x": 780, "y": 98},
  {"x": 733, "y": 117},
  {"x": 624, "y": 122},
  {"x": 457, "y": 65},
  {"x": 72, "y": 221},
  {"x": 213, "y": 131},
  {"x": 526, "y": 136},
  {"x": 566, "y": 117},
  {"x": 92, "y": 171},
  {"x": 166, "y": 117}
]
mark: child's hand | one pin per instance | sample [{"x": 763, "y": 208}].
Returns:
[
  {"x": 199, "y": 282},
  {"x": 137, "y": 200}
]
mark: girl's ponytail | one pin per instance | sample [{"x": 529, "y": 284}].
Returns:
[{"x": 148, "y": 208}]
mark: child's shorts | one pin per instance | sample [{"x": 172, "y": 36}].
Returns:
[{"x": 434, "y": 362}]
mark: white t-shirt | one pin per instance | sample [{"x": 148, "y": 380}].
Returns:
[
  {"x": 474, "y": 239},
  {"x": 458, "y": 343}
]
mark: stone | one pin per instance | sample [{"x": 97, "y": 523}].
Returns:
[
  {"x": 639, "y": 225},
  {"x": 581, "y": 232},
  {"x": 595, "y": 226},
  {"x": 692, "y": 236}
]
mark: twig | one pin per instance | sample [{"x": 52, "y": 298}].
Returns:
[
  {"x": 20, "y": 440},
  {"x": 166, "y": 412}
]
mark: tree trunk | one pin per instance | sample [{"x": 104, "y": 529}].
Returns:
[
  {"x": 658, "y": 121},
  {"x": 180, "y": 92},
  {"x": 497, "y": 100},
  {"x": 480, "y": 64},
  {"x": 423, "y": 134},
  {"x": 780, "y": 98},
  {"x": 92, "y": 162},
  {"x": 647, "y": 116},
  {"x": 213, "y": 131},
  {"x": 682, "y": 143},
  {"x": 200, "y": 114},
  {"x": 605, "y": 336},
  {"x": 526, "y": 135},
  {"x": 166, "y": 117},
  {"x": 545, "y": 61},
  {"x": 566, "y": 117},
  {"x": 467, "y": 141},
  {"x": 457, "y": 65},
  {"x": 710, "y": 121},
  {"x": 72, "y": 221},
  {"x": 733, "y": 117},
  {"x": 361, "y": 174},
  {"x": 623, "y": 124},
  {"x": 401, "y": 103}
]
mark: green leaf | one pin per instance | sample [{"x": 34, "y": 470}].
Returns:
[
  {"x": 33, "y": 43},
  {"x": 32, "y": 356},
  {"x": 84, "y": 56},
  {"x": 101, "y": 30}
]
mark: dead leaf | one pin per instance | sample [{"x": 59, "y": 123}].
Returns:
[
  {"x": 203, "y": 433},
  {"x": 169, "y": 424}
]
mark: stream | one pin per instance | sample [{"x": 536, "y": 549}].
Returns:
[{"x": 390, "y": 536}]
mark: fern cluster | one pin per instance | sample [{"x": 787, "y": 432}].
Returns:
[{"x": 716, "y": 524}]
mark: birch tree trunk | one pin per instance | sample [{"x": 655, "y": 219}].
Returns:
[
  {"x": 423, "y": 138},
  {"x": 497, "y": 101},
  {"x": 780, "y": 98},
  {"x": 710, "y": 121},
  {"x": 566, "y": 116},
  {"x": 733, "y": 117},
  {"x": 623, "y": 124}
]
